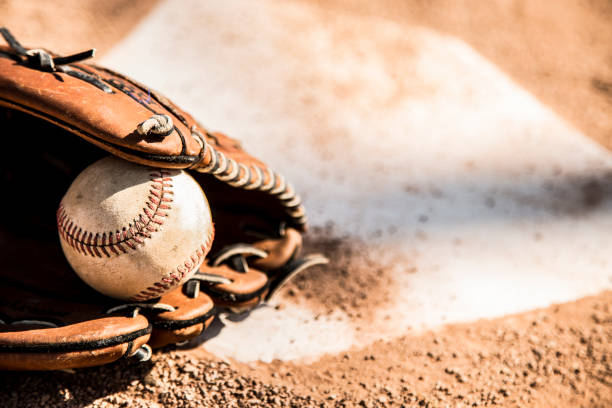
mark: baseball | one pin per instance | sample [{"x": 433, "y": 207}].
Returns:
[{"x": 133, "y": 232}]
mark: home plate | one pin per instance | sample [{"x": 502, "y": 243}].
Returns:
[{"x": 407, "y": 141}]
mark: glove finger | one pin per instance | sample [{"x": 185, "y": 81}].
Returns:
[
  {"x": 280, "y": 251},
  {"x": 238, "y": 292},
  {"x": 42, "y": 333},
  {"x": 191, "y": 312},
  {"x": 49, "y": 319}
]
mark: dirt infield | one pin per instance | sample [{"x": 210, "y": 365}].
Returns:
[
  {"x": 73, "y": 25},
  {"x": 555, "y": 357},
  {"x": 558, "y": 356}
]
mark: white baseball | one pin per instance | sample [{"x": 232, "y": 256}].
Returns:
[{"x": 133, "y": 232}]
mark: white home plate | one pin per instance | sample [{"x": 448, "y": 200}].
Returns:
[{"x": 403, "y": 138}]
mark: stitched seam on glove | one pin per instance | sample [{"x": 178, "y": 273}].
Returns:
[
  {"x": 181, "y": 324},
  {"x": 75, "y": 346},
  {"x": 235, "y": 297}
]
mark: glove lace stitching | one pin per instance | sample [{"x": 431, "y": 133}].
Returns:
[
  {"x": 251, "y": 177},
  {"x": 44, "y": 60}
]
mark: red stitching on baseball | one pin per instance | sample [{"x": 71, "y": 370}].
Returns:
[
  {"x": 100, "y": 244},
  {"x": 174, "y": 277}
]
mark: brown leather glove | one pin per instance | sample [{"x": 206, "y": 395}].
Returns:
[
  {"x": 58, "y": 116},
  {"x": 49, "y": 319}
]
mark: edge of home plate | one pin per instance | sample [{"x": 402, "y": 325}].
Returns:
[{"x": 403, "y": 137}]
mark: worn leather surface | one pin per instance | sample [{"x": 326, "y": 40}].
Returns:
[
  {"x": 244, "y": 284},
  {"x": 280, "y": 251},
  {"x": 68, "y": 359},
  {"x": 55, "y": 125},
  {"x": 109, "y": 117},
  {"x": 248, "y": 288},
  {"x": 193, "y": 314},
  {"x": 246, "y": 291},
  {"x": 38, "y": 289},
  {"x": 84, "y": 335}
]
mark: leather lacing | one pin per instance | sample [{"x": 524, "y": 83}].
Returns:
[
  {"x": 44, "y": 60},
  {"x": 250, "y": 177},
  {"x": 135, "y": 308},
  {"x": 219, "y": 165},
  {"x": 236, "y": 257},
  {"x": 226, "y": 169}
]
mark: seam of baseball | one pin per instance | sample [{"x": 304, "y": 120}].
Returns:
[
  {"x": 174, "y": 277},
  {"x": 127, "y": 238}
]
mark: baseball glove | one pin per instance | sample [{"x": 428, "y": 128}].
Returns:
[{"x": 58, "y": 116}]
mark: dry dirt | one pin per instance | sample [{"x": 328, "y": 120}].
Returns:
[
  {"x": 558, "y": 50},
  {"x": 72, "y": 26},
  {"x": 560, "y": 356}
]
